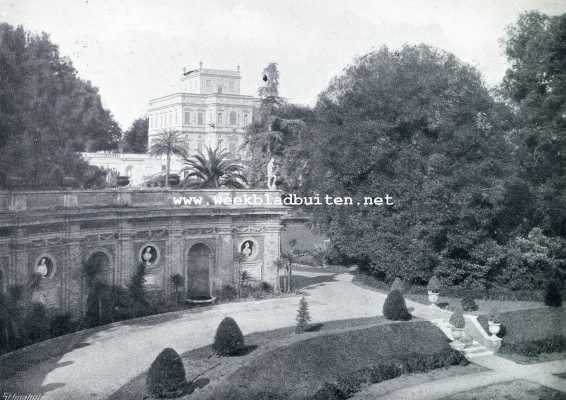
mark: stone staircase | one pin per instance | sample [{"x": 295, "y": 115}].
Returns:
[{"x": 470, "y": 350}]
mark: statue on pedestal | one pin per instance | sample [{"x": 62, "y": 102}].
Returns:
[{"x": 271, "y": 176}]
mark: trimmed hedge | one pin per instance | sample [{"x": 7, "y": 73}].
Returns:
[
  {"x": 533, "y": 348},
  {"x": 299, "y": 370},
  {"x": 394, "y": 307},
  {"x": 352, "y": 383},
  {"x": 229, "y": 340},
  {"x": 166, "y": 375}
]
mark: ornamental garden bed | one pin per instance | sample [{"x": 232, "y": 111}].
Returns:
[
  {"x": 281, "y": 364},
  {"x": 516, "y": 390},
  {"x": 534, "y": 335}
]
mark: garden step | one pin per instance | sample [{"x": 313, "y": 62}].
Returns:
[{"x": 477, "y": 350}]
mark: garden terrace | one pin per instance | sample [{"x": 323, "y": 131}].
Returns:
[
  {"x": 54, "y": 233},
  {"x": 159, "y": 197}
]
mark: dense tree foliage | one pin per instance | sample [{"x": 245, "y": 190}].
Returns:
[
  {"x": 135, "y": 138},
  {"x": 275, "y": 131},
  {"x": 419, "y": 125},
  {"x": 536, "y": 87},
  {"x": 47, "y": 113}
]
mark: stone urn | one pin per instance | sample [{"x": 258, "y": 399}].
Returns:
[
  {"x": 433, "y": 296},
  {"x": 494, "y": 327},
  {"x": 123, "y": 180},
  {"x": 433, "y": 288}
]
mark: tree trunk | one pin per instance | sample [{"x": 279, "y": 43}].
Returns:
[{"x": 167, "y": 170}]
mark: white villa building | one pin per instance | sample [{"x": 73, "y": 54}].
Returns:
[{"x": 208, "y": 110}]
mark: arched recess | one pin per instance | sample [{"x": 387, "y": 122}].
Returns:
[
  {"x": 102, "y": 262},
  {"x": 199, "y": 265}
]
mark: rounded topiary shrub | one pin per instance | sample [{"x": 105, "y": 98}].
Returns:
[
  {"x": 552, "y": 295},
  {"x": 398, "y": 285},
  {"x": 166, "y": 376},
  {"x": 457, "y": 319},
  {"x": 395, "y": 308},
  {"x": 229, "y": 340},
  {"x": 469, "y": 304}
]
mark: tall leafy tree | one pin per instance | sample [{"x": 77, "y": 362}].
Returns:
[
  {"x": 214, "y": 170},
  {"x": 419, "y": 125},
  {"x": 135, "y": 138},
  {"x": 47, "y": 113},
  {"x": 535, "y": 85},
  {"x": 168, "y": 143}
]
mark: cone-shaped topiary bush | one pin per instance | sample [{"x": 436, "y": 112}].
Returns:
[
  {"x": 229, "y": 340},
  {"x": 433, "y": 284},
  {"x": 166, "y": 376},
  {"x": 303, "y": 316},
  {"x": 457, "y": 319},
  {"x": 395, "y": 308},
  {"x": 398, "y": 285},
  {"x": 552, "y": 295}
]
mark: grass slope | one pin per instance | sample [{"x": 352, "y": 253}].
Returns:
[{"x": 300, "y": 369}]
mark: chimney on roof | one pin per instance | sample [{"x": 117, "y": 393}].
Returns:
[
  {"x": 200, "y": 64},
  {"x": 184, "y": 70}
]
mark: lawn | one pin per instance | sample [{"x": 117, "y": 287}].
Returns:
[
  {"x": 299, "y": 370},
  {"x": 299, "y": 365},
  {"x": 451, "y": 300},
  {"x": 203, "y": 360},
  {"x": 515, "y": 390},
  {"x": 527, "y": 334}
]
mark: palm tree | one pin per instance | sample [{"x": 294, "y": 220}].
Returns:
[
  {"x": 213, "y": 170},
  {"x": 168, "y": 143}
]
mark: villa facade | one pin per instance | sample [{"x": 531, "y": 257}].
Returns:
[{"x": 208, "y": 110}]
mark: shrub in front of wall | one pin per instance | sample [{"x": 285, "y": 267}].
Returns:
[
  {"x": 266, "y": 287},
  {"x": 394, "y": 307},
  {"x": 229, "y": 340},
  {"x": 166, "y": 375},
  {"x": 61, "y": 324},
  {"x": 227, "y": 293}
]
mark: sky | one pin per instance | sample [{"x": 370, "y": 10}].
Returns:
[{"x": 134, "y": 50}]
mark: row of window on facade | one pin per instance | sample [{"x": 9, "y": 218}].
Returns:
[
  {"x": 197, "y": 118},
  {"x": 199, "y": 146}
]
